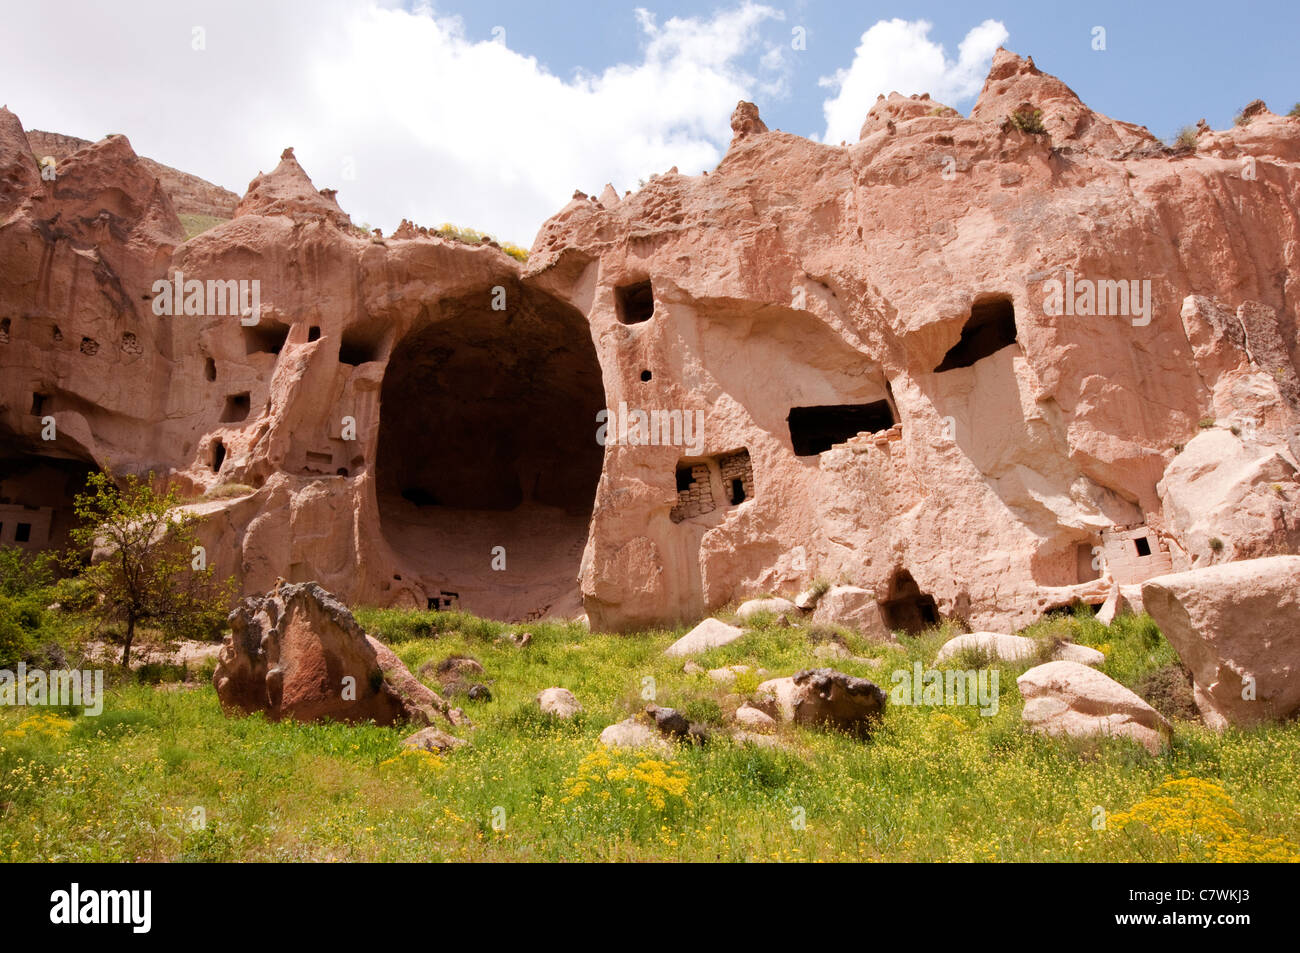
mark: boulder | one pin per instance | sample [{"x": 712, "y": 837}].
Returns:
[
  {"x": 727, "y": 675},
  {"x": 1236, "y": 627},
  {"x": 823, "y": 697},
  {"x": 1116, "y": 605},
  {"x": 752, "y": 718},
  {"x": 709, "y": 634},
  {"x": 855, "y": 608},
  {"x": 1016, "y": 648},
  {"x": 775, "y": 606},
  {"x": 1067, "y": 698},
  {"x": 808, "y": 599},
  {"x": 434, "y": 740},
  {"x": 298, "y": 653},
  {"x": 634, "y": 733},
  {"x": 559, "y": 702}
]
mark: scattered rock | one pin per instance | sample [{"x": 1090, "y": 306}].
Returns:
[
  {"x": 433, "y": 739},
  {"x": 559, "y": 702},
  {"x": 1072, "y": 699},
  {"x": 709, "y": 634},
  {"x": 1237, "y": 629},
  {"x": 692, "y": 668},
  {"x": 824, "y": 697},
  {"x": 1116, "y": 605},
  {"x": 298, "y": 653},
  {"x": 776, "y": 606},
  {"x": 807, "y": 600},
  {"x": 1016, "y": 648},
  {"x": 752, "y": 718},
  {"x": 634, "y": 733},
  {"x": 727, "y": 674},
  {"x": 454, "y": 668},
  {"x": 480, "y": 693},
  {"x": 854, "y": 608}
]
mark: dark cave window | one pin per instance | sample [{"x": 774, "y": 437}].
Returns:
[
  {"x": 636, "y": 303},
  {"x": 814, "y": 430},
  {"x": 1142, "y": 545},
  {"x": 990, "y": 327},
  {"x": 236, "y": 409},
  {"x": 266, "y": 337}
]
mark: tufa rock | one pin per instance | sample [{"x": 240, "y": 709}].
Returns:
[{"x": 298, "y": 653}]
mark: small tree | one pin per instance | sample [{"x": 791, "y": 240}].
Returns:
[{"x": 147, "y": 570}]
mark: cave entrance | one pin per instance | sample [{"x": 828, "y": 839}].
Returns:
[
  {"x": 908, "y": 609},
  {"x": 815, "y": 430},
  {"x": 990, "y": 327},
  {"x": 36, "y": 497},
  {"x": 487, "y": 460}
]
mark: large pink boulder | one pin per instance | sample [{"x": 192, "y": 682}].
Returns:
[
  {"x": 1236, "y": 626},
  {"x": 298, "y": 653}
]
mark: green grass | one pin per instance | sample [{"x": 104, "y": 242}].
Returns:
[
  {"x": 197, "y": 224},
  {"x": 931, "y": 784}
]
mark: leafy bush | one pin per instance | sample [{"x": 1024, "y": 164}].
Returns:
[
  {"x": 1027, "y": 119},
  {"x": 1295, "y": 111},
  {"x": 22, "y": 572}
]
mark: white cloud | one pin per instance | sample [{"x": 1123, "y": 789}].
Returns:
[
  {"x": 898, "y": 56},
  {"x": 438, "y": 125}
]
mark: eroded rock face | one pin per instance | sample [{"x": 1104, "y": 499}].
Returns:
[
  {"x": 884, "y": 381},
  {"x": 1237, "y": 628},
  {"x": 298, "y": 653}
]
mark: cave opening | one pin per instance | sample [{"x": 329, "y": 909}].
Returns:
[
  {"x": 908, "y": 609},
  {"x": 636, "y": 302},
  {"x": 814, "y": 430},
  {"x": 265, "y": 337},
  {"x": 37, "y": 494},
  {"x": 990, "y": 327},
  {"x": 487, "y": 446},
  {"x": 236, "y": 409}
]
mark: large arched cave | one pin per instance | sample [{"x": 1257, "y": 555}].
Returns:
[{"x": 487, "y": 439}]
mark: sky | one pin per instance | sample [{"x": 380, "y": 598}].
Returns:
[{"x": 490, "y": 114}]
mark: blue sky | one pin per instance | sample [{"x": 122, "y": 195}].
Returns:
[
  {"x": 427, "y": 111},
  {"x": 1166, "y": 64}
]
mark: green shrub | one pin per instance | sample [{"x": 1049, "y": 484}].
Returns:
[
  {"x": 1027, "y": 119},
  {"x": 22, "y": 572},
  {"x": 1295, "y": 111}
]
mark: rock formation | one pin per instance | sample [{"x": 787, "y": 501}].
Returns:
[
  {"x": 959, "y": 364},
  {"x": 298, "y": 653},
  {"x": 1236, "y": 626}
]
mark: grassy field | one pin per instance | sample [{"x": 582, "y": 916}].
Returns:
[{"x": 932, "y": 784}]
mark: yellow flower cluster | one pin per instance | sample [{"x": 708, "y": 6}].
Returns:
[
  {"x": 1201, "y": 819},
  {"x": 421, "y": 758},
  {"x": 604, "y": 774},
  {"x": 43, "y": 723}
]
